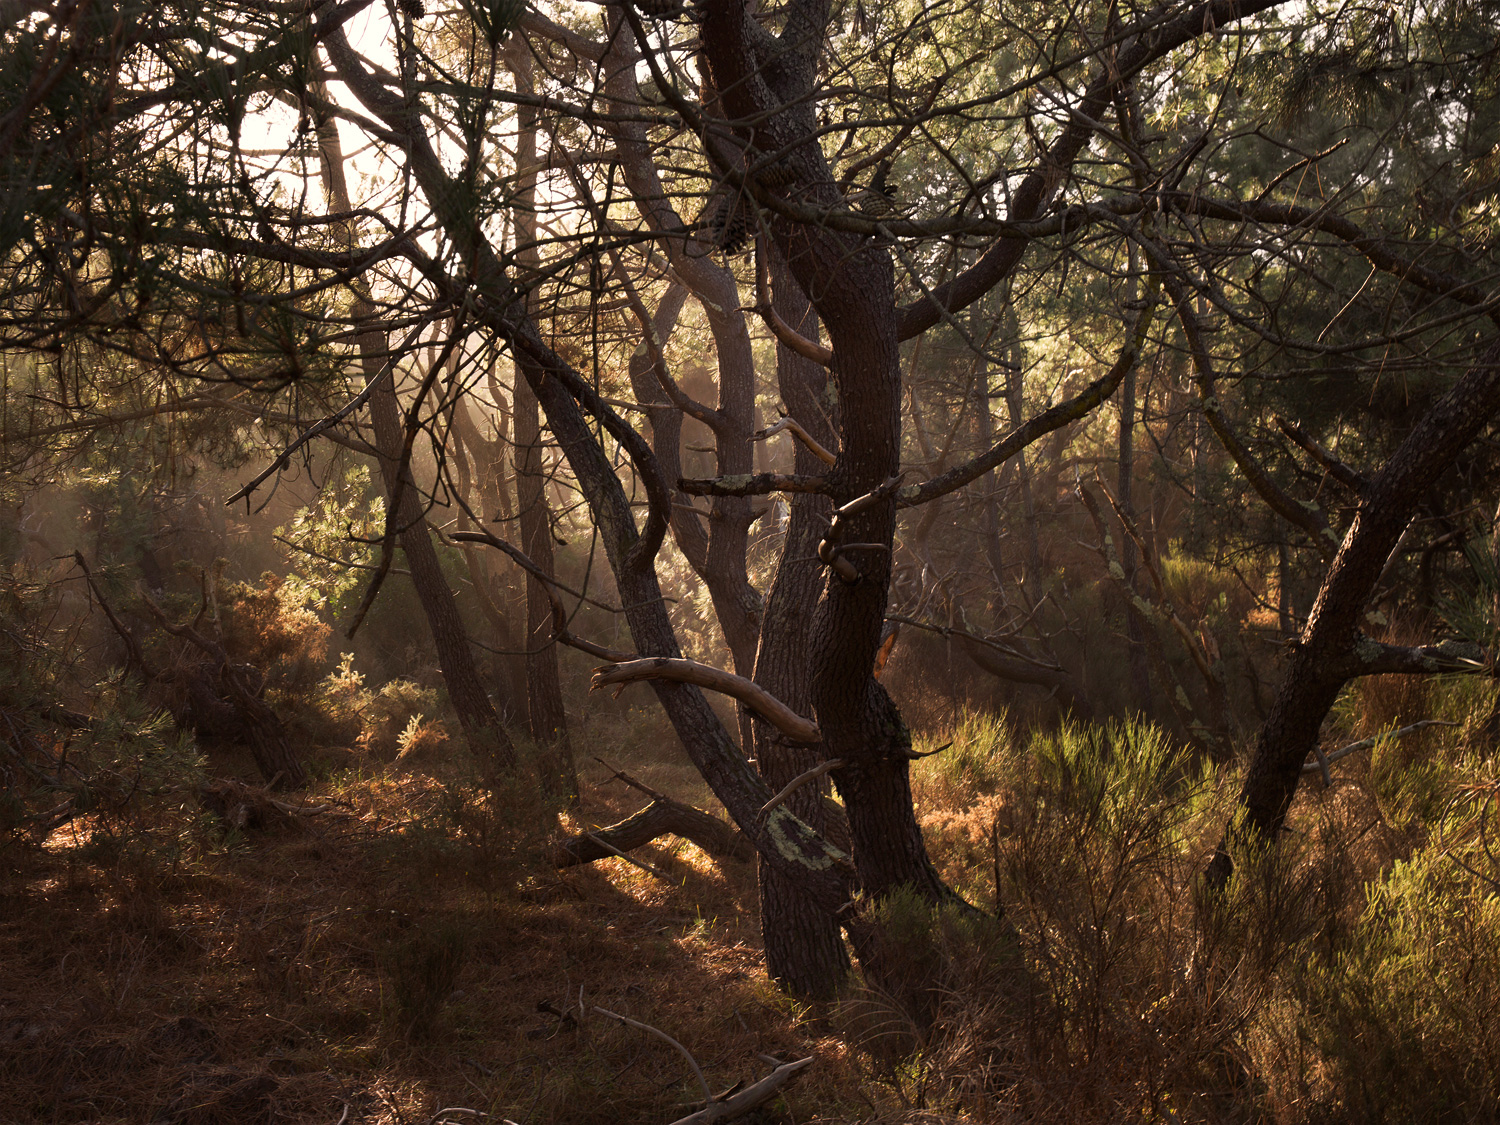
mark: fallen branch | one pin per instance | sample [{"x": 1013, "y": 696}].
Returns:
[
  {"x": 644, "y": 866},
  {"x": 751, "y": 1097},
  {"x": 660, "y": 1034},
  {"x": 1322, "y": 761},
  {"x": 683, "y": 671}
]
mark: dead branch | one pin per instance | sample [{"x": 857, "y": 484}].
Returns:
[
  {"x": 642, "y": 864},
  {"x": 662, "y": 817},
  {"x": 1322, "y": 761},
  {"x": 800, "y": 780},
  {"x": 1350, "y": 478},
  {"x": 683, "y": 671},
  {"x": 790, "y": 425},
  {"x": 133, "y": 656},
  {"x": 751, "y": 1097},
  {"x": 784, "y": 332},
  {"x": 646, "y": 1027}
]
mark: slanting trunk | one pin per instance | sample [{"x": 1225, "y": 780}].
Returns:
[
  {"x": 545, "y": 716},
  {"x": 1332, "y": 650},
  {"x": 481, "y": 725},
  {"x": 717, "y": 554},
  {"x": 823, "y": 871},
  {"x": 804, "y": 948}
]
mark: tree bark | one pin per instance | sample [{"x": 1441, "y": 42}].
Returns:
[
  {"x": 851, "y": 283},
  {"x": 545, "y": 716},
  {"x": 804, "y": 948}
]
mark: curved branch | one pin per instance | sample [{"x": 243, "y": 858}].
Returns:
[
  {"x": 683, "y": 671},
  {"x": 1304, "y": 514}
]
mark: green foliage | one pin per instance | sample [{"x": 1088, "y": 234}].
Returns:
[
  {"x": 325, "y": 564},
  {"x": 391, "y": 711},
  {"x": 1409, "y": 1013}
]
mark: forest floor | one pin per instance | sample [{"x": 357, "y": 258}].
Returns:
[{"x": 400, "y": 953}]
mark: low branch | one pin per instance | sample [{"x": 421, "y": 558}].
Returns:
[
  {"x": 1369, "y": 657},
  {"x": 662, "y": 817},
  {"x": 283, "y": 459},
  {"x": 683, "y": 671},
  {"x": 1321, "y": 763}
]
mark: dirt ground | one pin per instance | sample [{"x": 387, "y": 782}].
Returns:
[{"x": 403, "y": 955}]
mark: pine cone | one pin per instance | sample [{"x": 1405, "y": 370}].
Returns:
[
  {"x": 778, "y": 175},
  {"x": 730, "y": 228},
  {"x": 873, "y": 203},
  {"x": 413, "y": 9}
]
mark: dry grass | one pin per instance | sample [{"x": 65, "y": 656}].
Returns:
[
  {"x": 394, "y": 956},
  {"x": 404, "y": 952}
]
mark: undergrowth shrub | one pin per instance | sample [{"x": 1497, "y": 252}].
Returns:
[
  {"x": 390, "y": 712},
  {"x": 1407, "y": 1015},
  {"x": 423, "y": 971}
]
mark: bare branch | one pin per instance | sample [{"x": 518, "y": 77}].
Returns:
[
  {"x": 800, "y": 780},
  {"x": 1350, "y": 478},
  {"x": 1324, "y": 760},
  {"x": 749, "y": 1098},
  {"x": 683, "y": 671}
]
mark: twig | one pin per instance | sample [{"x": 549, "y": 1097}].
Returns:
[
  {"x": 284, "y": 457},
  {"x": 692, "y": 1062},
  {"x": 800, "y": 780},
  {"x": 621, "y": 775}
]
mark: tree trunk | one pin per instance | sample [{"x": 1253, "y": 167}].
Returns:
[
  {"x": 545, "y": 716},
  {"x": 804, "y": 948},
  {"x": 482, "y": 729},
  {"x": 1135, "y": 641},
  {"x": 1332, "y": 650}
]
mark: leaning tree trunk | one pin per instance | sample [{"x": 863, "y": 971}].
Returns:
[
  {"x": 481, "y": 725},
  {"x": 851, "y": 282},
  {"x": 1332, "y": 650}
]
